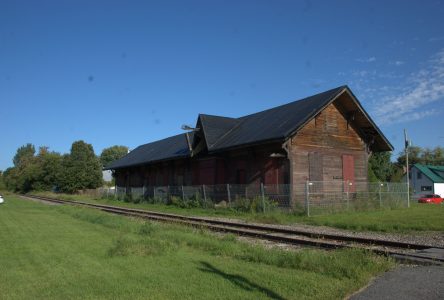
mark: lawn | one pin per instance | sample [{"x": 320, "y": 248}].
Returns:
[
  {"x": 49, "y": 252},
  {"x": 419, "y": 217}
]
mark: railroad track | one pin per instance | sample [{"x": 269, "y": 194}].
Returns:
[{"x": 407, "y": 252}]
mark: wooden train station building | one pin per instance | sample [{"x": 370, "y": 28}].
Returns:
[{"x": 324, "y": 137}]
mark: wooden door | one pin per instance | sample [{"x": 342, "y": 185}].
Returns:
[{"x": 348, "y": 170}]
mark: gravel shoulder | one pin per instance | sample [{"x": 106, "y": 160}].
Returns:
[
  {"x": 406, "y": 282},
  {"x": 431, "y": 238}
]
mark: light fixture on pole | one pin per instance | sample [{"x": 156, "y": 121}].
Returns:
[{"x": 188, "y": 128}]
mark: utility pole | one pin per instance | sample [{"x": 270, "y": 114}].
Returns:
[{"x": 407, "y": 166}]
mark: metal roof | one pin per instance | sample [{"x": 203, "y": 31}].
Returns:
[
  {"x": 429, "y": 171},
  {"x": 275, "y": 123},
  {"x": 169, "y": 148},
  {"x": 222, "y": 133},
  {"x": 215, "y": 127}
]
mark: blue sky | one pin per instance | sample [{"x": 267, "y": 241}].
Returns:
[{"x": 131, "y": 72}]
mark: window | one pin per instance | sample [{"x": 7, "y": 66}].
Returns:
[
  {"x": 419, "y": 175},
  {"x": 426, "y": 188}
]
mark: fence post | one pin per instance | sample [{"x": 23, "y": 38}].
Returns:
[
  {"x": 263, "y": 197},
  {"x": 205, "y": 195},
  {"x": 348, "y": 190},
  {"x": 143, "y": 192},
  {"x": 307, "y": 200},
  {"x": 229, "y": 195},
  {"x": 183, "y": 194},
  {"x": 379, "y": 192},
  {"x": 154, "y": 193}
]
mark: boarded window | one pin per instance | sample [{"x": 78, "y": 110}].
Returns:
[{"x": 315, "y": 166}]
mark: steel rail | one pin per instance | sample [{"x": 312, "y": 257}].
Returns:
[{"x": 276, "y": 234}]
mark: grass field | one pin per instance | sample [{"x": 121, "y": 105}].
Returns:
[
  {"x": 419, "y": 217},
  {"x": 49, "y": 252}
]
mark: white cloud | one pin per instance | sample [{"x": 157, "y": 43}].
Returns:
[
  {"x": 366, "y": 60},
  {"x": 421, "y": 89},
  {"x": 436, "y": 39},
  {"x": 398, "y": 63}
]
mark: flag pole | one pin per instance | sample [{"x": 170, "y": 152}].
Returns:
[{"x": 407, "y": 166}]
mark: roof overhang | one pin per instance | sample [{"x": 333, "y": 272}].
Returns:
[{"x": 365, "y": 126}]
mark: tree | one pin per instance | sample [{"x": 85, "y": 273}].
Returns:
[
  {"x": 50, "y": 168},
  {"x": 380, "y": 166},
  {"x": 2, "y": 182},
  {"x": 23, "y": 154},
  {"x": 438, "y": 156},
  {"x": 113, "y": 153},
  {"x": 21, "y": 177},
  {"x": 81, "y": 169},
  {"x": 414, "y": 156},
  {"x": 425, "y": 156},
  {"x": 10, "y": 179}
]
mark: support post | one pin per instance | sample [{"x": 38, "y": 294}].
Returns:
[
  {"x": 263, "y": 197},
  {"x": 229, "y": 194},
  {"x": 348, "y": 190},
  {"x": 379, "y": 192},
  {"x": 168, "y": 198},
  {"x": 183, "y": 194},
  {"x": 407, "y": 167},
  {"x": 307, "y": 198},
  {"x": 205, "y": 195}
]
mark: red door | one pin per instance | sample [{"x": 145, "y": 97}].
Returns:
[{"x": 348, "y": 171}]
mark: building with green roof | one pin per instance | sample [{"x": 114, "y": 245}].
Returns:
[{"x": 427, "y": 179}]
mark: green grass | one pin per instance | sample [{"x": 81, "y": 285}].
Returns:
[
  {"x": 49, "y": 252},
  {"x": 419, "y": 217}
]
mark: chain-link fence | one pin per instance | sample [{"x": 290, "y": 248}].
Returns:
[
  {"x": 333, "y": 196},
  {"x": 311, "y": 197}
]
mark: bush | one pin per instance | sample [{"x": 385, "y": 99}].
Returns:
[{"x": 256, "y": 204}]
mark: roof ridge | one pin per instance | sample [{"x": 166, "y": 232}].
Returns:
[
  {"x": 217, "y": 116},
  {"x": 294, "y": 101}
]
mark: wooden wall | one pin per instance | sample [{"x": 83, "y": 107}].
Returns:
[
  {"x": 251, "y": 165},
  {"x": 325, "y": 147}
]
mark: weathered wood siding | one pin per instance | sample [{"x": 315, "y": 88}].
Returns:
[
  {"x": 317, "y": 150},
  {"x": 251, "y": 165}
]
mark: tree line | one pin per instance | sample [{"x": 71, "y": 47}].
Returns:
[
  {"x": 381, "y": 168},
  {"x": 45, "y": 170}
]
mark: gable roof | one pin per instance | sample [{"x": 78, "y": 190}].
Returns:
[
  {"x": 169, "y": 148},
  {"x": 275, "y": 124},
  {"x": 215, "y": 127},
  {"x": 431, "y": 172}
]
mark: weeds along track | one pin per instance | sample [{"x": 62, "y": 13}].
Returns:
[{"x": 407, "y": 252}]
